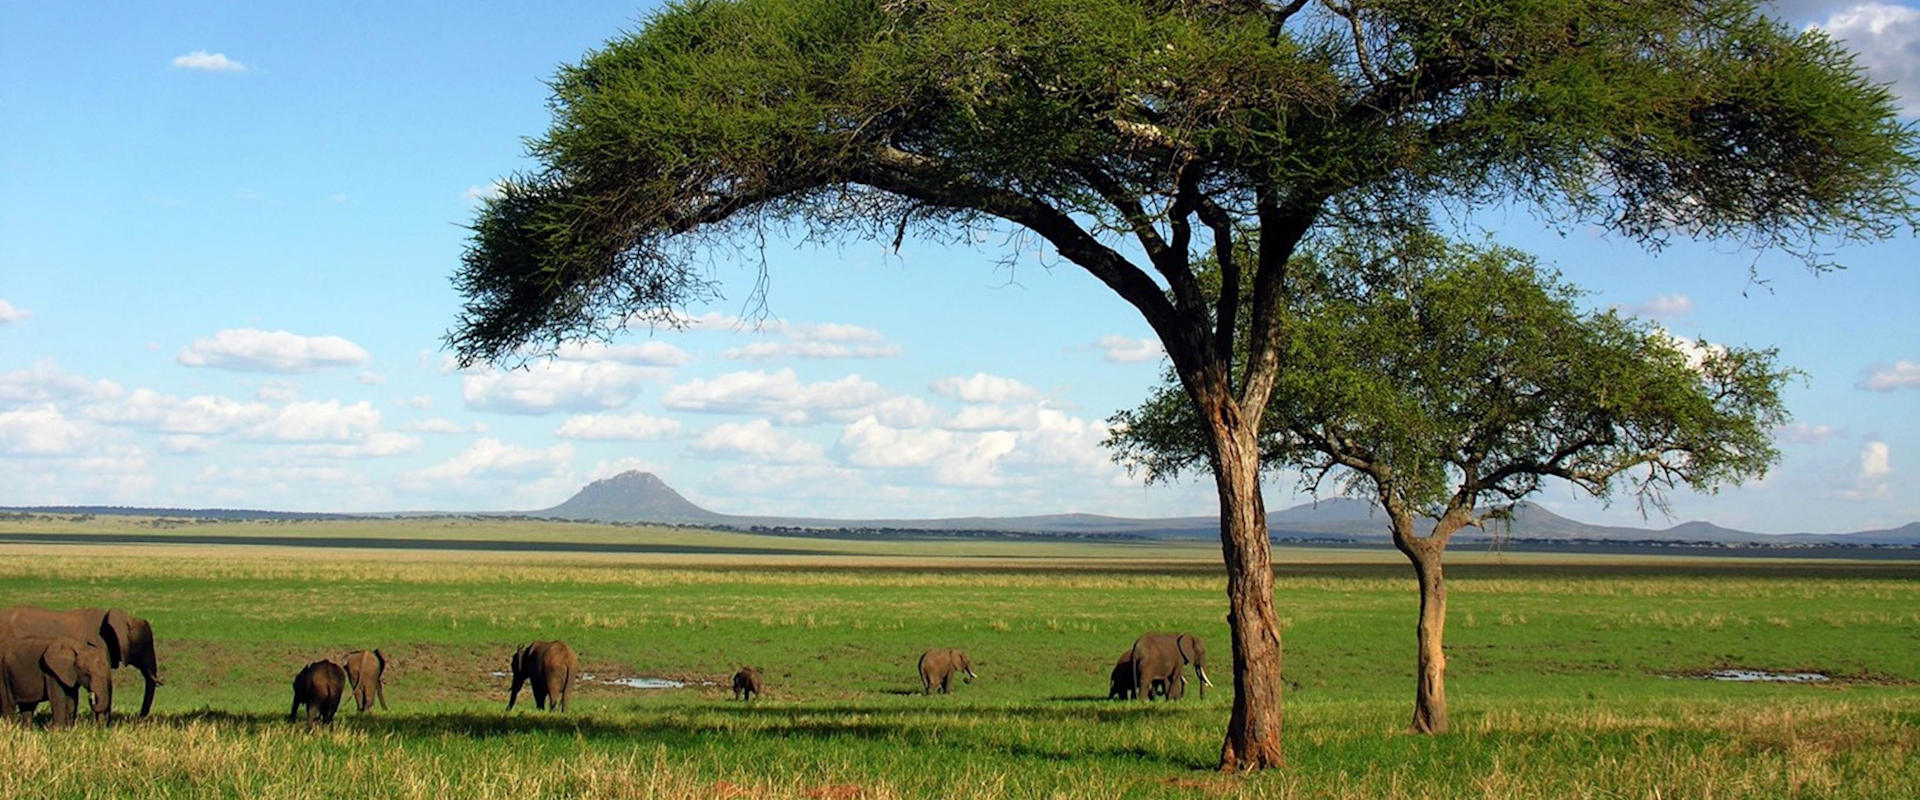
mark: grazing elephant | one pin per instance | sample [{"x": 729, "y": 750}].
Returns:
[
  {"x": 367, "y": 673},
  {"x": 318, "y": 687},
  {"x": 1120, "y": 681},
  {"x": 53, "y": 670},
  {"x": 937, "y": 667},
  {"x": 550, "y": 666},
  {"x": 1161, "y": 657},
  {"x": 127, "y": 640},
  {"x": 746, "y": 683}
]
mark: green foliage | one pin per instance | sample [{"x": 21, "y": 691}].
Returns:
[
  {"x": 1433, "y": 375},
  {"x": 870, "y": 117}
]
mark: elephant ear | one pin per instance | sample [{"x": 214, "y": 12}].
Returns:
[
  {"x": 62, "y": 661},
  {"x": 117, "y": 629},
  {"x": 1191, "y": 650}
]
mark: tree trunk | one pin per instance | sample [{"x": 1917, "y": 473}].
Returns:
[
  {"x": 1253, "y": 733},
  {"x": 1430, "y": 688}
]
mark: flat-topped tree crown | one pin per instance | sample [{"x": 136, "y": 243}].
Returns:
[{"x": 1228, "y": 129}]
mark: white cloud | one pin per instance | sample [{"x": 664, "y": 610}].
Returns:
[
  {"x": 45, "y": 382},
  {"x": 490, "y": 459},
  {"x": 645, "y": 354},
  {"x": 476, "y": 195},
  {"x": 251, "y": 350},
  {"x": 1128, "y": 350},
  {"x": 319, "y": 421},
  {"x": 1875, "y": 461},
  {"x": 558, "y": 386},
  {"x": 9, "y": 314},
  {"x": 371, "y": 378},
  {"x": 780, "y": 394},
  {"x": 984, "y": 388},
  {"x": 635, "y": 427},
  {"x": 200, "y": 414},
  {"x": 42, "y": 431},
  {"x": 820, "y": 340},
  {"x": 1663, "y": 307},
  {"x": 904, "y": 411},
  {"x": 277, "y": 392},
  {"x": 756, "y": 441},
  {"x": 1883, "y": 378},
  {"x": 203, "y": 61},
  {"x": 185, "y": 444},
  {"x": 995, "y": 418},
  {"x": 954, "y": 459},
  {"x": 441, "y": 425},
  {"x": 1805, "y": 433},
  {"x": 382, "y": 444},
  {"x": 422, "y": 402},
  {"x": 1885, "y": 39}
]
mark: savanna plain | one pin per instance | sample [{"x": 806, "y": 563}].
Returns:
[{"x": 1569, "y": 675}]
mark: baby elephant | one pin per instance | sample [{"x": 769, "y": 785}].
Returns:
[
  {"x": 53, "y": 670},
  {"x": 746, "y": 683},
  {"x": 1120, "y": 683},
  {"x": 367, "y": 673},
  {"x": 318, "y": 687},
  {"x": 550, "y": 666},
  {"x": 937, "y": 667}
]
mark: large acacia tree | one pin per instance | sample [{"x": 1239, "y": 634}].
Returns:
[
  {"x": 1448, "y": 382},
  {"x": 1135, "y": 136}
]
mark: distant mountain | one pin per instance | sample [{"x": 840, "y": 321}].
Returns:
[
  {"x": 642, "y": 497},
  {"x": 631, "y": 496}
]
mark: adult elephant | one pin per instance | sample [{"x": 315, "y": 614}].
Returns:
[
  {"x": 939, "y": 665},
  {"x": 1162, "y": 657},
  {"x": 550, "y": 667},
  {"x": 126, "y": 639},
  {"x": 367, "y": 672},
  {"x": 53, "y": 670}
]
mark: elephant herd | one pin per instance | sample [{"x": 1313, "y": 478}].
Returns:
[{"x": 48, "y": 656}]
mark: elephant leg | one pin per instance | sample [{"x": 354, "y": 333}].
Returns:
[
  {"x": 293, "y": 712},
  {"x": 61, "y": 708}
]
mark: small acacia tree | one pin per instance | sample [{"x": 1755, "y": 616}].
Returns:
[
  {"x": 1134, "y": 136},
  {"x": 1448, "y": 382}
]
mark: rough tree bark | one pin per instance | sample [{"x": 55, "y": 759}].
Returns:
[
  {"x": 1253, "y": 732},
  {"x": 1430, "y": 688}
]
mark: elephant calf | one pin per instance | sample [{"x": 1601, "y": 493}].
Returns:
[
  {"x": 52, "y": 670},
  {"x": 367, "y": 674},
  {"x": 937, "y": 668},
  {"x": 318, "y": 687},
  {"x": 550, "y": 667},
  {"x": 1120, "y": 683},
  {"x": 746, "y": 683}
]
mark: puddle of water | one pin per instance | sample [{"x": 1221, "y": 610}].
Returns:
[
  {"x": 632, "y": 683},
  {"x": 1747, "y": 675}
]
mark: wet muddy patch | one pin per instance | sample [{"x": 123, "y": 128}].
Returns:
[
  {"x": 1731, "y": 674},
  {"x": 628, "y": 681}
]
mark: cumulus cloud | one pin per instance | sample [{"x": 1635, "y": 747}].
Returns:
[
  {"x": 491, "y": 459},
  {"x": 203, "y": 61},
  {"x": 1886, "y": 40},
  {"x": 371, "y": 378},
  {"x": 251, "y": 350},
  {"x": 422, "y": 402},
  {"x": 1875, "y": 461},
  {"x": 1805, "y": 433},
  {"x": 200, "y": 414},
  {"x": 994, "y": 418},
  {"x": 45, "y": 382},
  {"x": 277, "y": 392},
  {"x": 757, "y": 441},
  {"x": 1663, "y": 307},
  {"x": 952, "y": 458},
  {"x": 318, "y": 421},
  {"x": 645, "y": 354},
  {"x": 984, "y": 388},
  {"x": 1884, "y": 378},
  {"x": 634, "y": 427},
  {"x": 780, "y": 394},
  {"x": 558, "y": 386},
  {"x": 819, "y": 340},
  {"x": 1118, "y": 349},
  {"x": 9, "y": 314},
  {"x": 440, "y": 425},
  {"x": 41, "y": 431},
  {"x": 381, "y": 444}
]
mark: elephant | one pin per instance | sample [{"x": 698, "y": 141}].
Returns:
[
  {"x": 53, "y": 670},
  {"x": 127, "y": 640},
  {"x": 367, "y": 673},
  {"x": 1161, "y": 657},
  {"x": 318, "y": 687},
  {"x": 746, "y": 683},
  {"x": 937, "y": 667},
  {"x": 1120, "y": 681},
  {"x": 550, "y": 666}
]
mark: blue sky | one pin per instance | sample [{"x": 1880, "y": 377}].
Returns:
[{"x": 226, "y": 233}]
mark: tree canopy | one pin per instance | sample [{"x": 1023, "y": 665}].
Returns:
[{"x": 1138, "y": 137}]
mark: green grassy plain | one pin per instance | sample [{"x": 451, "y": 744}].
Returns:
[{"x": 1569, "y": 673}]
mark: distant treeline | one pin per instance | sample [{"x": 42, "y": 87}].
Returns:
[{"x": 18, "y": 512}]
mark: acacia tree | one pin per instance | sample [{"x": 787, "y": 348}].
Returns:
[
  {"x": 1448, "y": 382},
  {"x": 1133, "y": 136}
]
